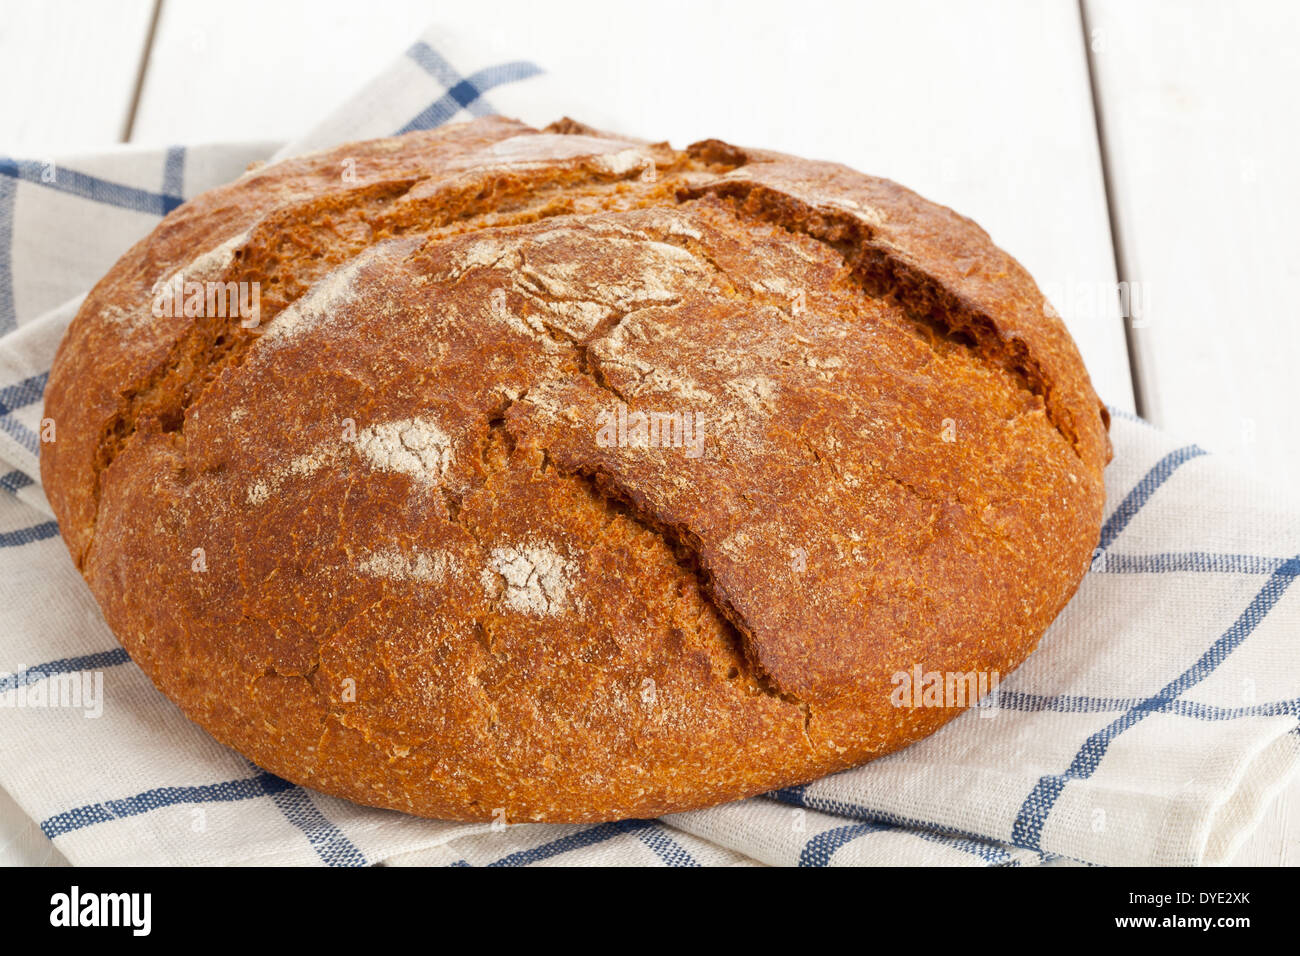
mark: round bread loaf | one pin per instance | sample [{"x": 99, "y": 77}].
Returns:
[{"x": 562, "y": 477}]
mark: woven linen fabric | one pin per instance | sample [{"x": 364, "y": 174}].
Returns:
[{"x": 1153, "y": 726}]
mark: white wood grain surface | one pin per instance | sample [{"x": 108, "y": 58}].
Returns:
[
  {"x": 212, "y": 78},
  {"x": 68, "y": 70},
  {"x": 1198, "y": 108}
]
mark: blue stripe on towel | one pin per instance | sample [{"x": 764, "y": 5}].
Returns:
[
  {"x": 574, "y": 841},
  {"x": 1196, "y": 561},
  {"x": 819, "y": 850},
  {"x": 19, "y": 395},
  {"x": 86, "y": 186},
  {"x": 20, "y": 433},
  {"x": 28, "y": 535},
  {"x": 246, "y": 788},
  {"x": 1143, "y": 491},
  {"x": 666, "y": 848},
  {"x": 295, "y": 803},
  {"x": 23, "y": 393},
  {"x": 462, "y": 92},
  {"x": 1028, "y": 828},
  {"x": 971, "y": 843},
  {"x": 14, "y": 480},
  {"x": 174, "y": 173},
  {"x": 66, "y": 665},
  {"x": 325, "y": 838},
  {"x": 1084, "y": 704}
]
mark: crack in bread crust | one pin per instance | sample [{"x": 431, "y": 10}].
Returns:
[
  {"x": 940, "y": 315},
  {"x": 209, "y": 347}
]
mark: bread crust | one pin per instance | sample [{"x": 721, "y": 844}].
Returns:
[{"x": 380, "y": 545}]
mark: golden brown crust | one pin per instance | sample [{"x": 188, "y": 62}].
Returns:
[{"x": 381, "y": 545}]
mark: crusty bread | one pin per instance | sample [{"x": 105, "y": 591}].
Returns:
[{"x": 380, "y": 544}]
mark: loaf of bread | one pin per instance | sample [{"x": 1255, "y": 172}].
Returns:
[{"x": 543, "y": 475}]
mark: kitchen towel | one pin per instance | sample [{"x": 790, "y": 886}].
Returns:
[{"x": 1153, "y": 726}]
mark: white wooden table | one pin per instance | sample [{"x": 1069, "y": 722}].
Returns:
[{"x": 1137, "y": 156}]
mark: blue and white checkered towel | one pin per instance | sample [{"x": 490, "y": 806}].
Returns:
[{"x": 1153, "y": 726}]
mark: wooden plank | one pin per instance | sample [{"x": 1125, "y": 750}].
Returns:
[
  {"x": 69, "y": 71},
  {"x": 985, "y": 108},
  {"x": 253, "y": 70},
  {"x": 1197, "y": 107}
]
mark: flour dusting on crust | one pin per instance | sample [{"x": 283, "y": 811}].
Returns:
[
  {"x": 416, "y": 447},
  {"x": 217, "y": 260},
  {"x": 300, "y": 467},
  {"x": 327, "y": 296},
  {"x": 416, "y": 565},
  {"x": 532, "y": 578},
  {"x": 412, "y": 446},
  {"x": 331, "y": 294}
]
